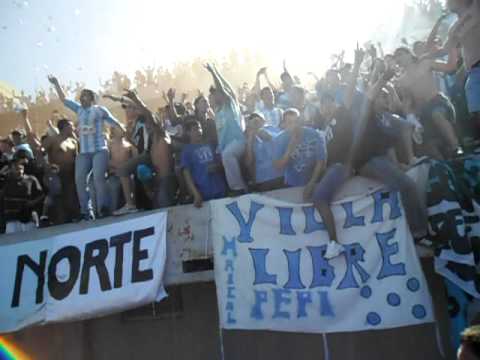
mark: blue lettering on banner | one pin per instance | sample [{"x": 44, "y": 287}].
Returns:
[
  {"x": 230, "y": 318},
  {"x": 293, "y": 261},
  {"x": 286, "y": 221},
  {"x": 303, "y": 298},
  {"x": 230, "y": 292},
  {"x": 289, "y": 297},
  {"x": 282, "y": 301},
  {"x": 311, "y": 224},
  {"x": 229, "y": 245},
  {"x": 259, "y": 264},
  {"x": 245, "y": 226},
  {"x": 325, "y": 305},
  {"x": 380, "y": 198},
  {"x": 388, "y": 250},
  {"x": 351, "y": 220},
  {"x": 280, "y": 298},
  {"x": 260, "y": 298},
  {"x": 229, "y": 265},
  {"x": 323, "y": 272},
  {"x": 353, "y": 255},
  {"x": 229, "y": 249}
]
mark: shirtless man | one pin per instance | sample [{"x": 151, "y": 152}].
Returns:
[
  {"x": 62, "y": 150},
  {"x": 164, "y": 183},
  {"x": 465, "y": 33},
  {"x": 436, "y": 111},
  {"x": 154, "y": 154},
  {"x": 120, "y": 152}
]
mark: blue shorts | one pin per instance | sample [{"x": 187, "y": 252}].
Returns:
[
  {"x": 335, "y": 176},
  {"x": 472, "y": 90}
]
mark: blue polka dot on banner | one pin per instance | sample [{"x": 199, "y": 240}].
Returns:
[
  {"x": 419, "y": 311},
  {"x": 413, "y": 284},
  {"x": 366, "y": 292},
  {"x": 393, "y": 299},
  {"x": 373, "y": 318}
]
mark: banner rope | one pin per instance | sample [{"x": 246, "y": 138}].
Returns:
[
  {"x": 222, "y": 352},
  {"x": 438, "y": 337},
  {"x": 326, "y": 352}
]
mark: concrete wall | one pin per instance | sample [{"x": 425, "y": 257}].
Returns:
[{"x": 194, "y": 334}]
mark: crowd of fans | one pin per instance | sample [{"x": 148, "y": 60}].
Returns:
[{"x": 374, "y": 117}]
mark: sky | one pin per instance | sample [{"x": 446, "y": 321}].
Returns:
[{"x": 89, "y": 39}]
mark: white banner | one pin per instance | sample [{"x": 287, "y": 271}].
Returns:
[
  {"x": 83, "y": 274},
  {"x": 270, "y": 271}
]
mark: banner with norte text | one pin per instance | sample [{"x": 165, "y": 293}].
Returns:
[
  {"x": 82, "y": 274},
  {"x": 271, "y": 273}
]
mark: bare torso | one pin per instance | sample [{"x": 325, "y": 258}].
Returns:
[
  {"x": 160, "y": 155},
  {"x": 466, "y": 32},
  {"x": 419, "y": 81},
  {"x": 62, "y": 152},
  {"x": 120, "y": 152}
]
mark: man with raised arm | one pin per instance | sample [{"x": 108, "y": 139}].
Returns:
[
  {"x": 339, "y": 137},
  {"x": 231, "y": 140},
  {"x": 93, "y": 154},
  {"x": 266, "y": 106}
]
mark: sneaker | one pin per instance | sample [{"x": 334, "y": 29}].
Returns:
[
  {"x": 127, "y": 209},
  {"x": 333, "y": 250}
]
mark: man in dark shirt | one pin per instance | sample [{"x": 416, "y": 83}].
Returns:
[
  {"x": 339, "y": 137},
  {"x": 383, "y": 132},
  {"x": 21, "y": 194}
]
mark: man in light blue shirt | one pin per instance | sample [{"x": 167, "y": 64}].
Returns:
[
  {"x": 259, "y": 154},
  {"x": 93, "y": 155},
  {"x": 299, "y": 151},
  {"x": 228, "y": 120}
]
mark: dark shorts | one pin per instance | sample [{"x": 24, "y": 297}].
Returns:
[{"x": 334, "y": 178}]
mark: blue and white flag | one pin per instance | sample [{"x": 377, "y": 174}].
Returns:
[{"x": 271, "y": 273}]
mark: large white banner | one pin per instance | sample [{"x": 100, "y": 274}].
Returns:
[
  {"x": 82, "y": 274},
  {"x": 271, "y": 273}
]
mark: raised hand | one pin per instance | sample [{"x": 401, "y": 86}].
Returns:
[
  {"x": 359, "y": 55},
  {"x": 131, "y": 94},
  {"x": 209, "y": 67},
  {"x": 53, "y": 80},
  {"x": 171, "y": 95},
  {"x": 262, "y": 70}
]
